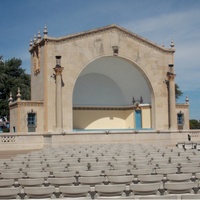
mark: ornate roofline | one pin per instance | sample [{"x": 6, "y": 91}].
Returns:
[
  {"x": 103, "y": 29},
  {"x": 25, "y": 103}
]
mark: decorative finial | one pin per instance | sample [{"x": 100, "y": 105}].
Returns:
[
  {"x": 172, "y": 44},
  {"x": 18, "y": 95},
  {"x": 186, "y": 99},
  {"x": 39, "y": 36},
  {"x": 34, "y": 38},
  {"x": 10, "y": 100},
  {"x": 133, "y": 100},
  {"x": 31, "y": 43},
  {"x": 45, "y": 32},
  {"x": 141, "y": 99}
]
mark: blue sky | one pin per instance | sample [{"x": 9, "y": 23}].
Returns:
[{"x": 159, "y": 21}]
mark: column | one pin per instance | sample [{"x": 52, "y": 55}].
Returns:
[
  {"x": 172, "y": 102},
  {"x": 59, "y": 117}
]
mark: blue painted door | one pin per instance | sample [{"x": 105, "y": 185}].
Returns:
[{"x": 138, "y": 119}]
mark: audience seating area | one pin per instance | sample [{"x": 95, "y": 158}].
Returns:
[{"x": 102, "y": 171}]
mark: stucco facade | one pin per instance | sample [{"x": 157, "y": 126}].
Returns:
[{"x": 107, "y": 78}]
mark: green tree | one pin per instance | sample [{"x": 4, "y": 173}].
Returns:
[
  {"x": 12, "y": 76},
  {"x": 194, "y": 124},
  {"x": 178, "y": 92}
]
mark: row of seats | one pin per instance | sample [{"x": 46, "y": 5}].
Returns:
[
  {"x": 99, "y": 169},
  {"x": 98, "y": 191},
  {"x": 92, "y": 180}
]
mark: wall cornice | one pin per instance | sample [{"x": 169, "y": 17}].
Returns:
[
  {"x": 110, "y": 28},
  {"x": 131, "y": 107},
  {"x": 182, "y": 105},
  {"x": 25, "y": 104}
]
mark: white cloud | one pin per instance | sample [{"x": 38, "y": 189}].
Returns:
[
  {"x": 183, "y": 28},
  {"x": 176, "y": 26}
]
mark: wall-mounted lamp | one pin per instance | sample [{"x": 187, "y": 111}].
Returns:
[
  {"x": 171, "y": 67},
  {"x": 115, "y": 50},
  {"x": 58, "y": 63}
]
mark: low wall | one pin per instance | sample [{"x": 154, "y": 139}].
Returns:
[{"x": 11, "y": 142}]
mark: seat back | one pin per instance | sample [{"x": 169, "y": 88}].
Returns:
[
  {"x": 61, "y": 181},
  {"x": 145, "y": 188},
  {"x": 179, "y": 187},
  {"x": 74, "y": 191},
  {"x": 39, "y": 192},
  {"x": 31, "y": 182},
  {"x": 110, "y": 190},
  {"x": 91, "y": 180},
  {"x": 150, "y": 178},
  {"x": 9, "y": 193},
  {"x": 121, "y": 179}
]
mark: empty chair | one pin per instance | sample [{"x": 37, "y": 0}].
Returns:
[
  {"x": 64, "y": 165},
  {"x": 119, "y": 172},
  {"x": 166, "y": 171},
  {"x": 179, "y": 177},
  {"x": 191, "y": 169},
  {"x": 137, "y": 172},
  {"x": 26, "y": 170},
  {"x": 192, "y": 164},
  {"x": 39, "y": 192},
  {"x": 75, "y": 191},
  {"x": 144, "y": 189},
  {"x": 6, "y": 183},
  {"x": 90, "y": 173},
  {"x": 121, "y": 179},
  {"x": 127, "y": 167},
  {"x": 168, "y": 165},
  {"x": 78, "y": 168},
  {"x": 64, "y": 174},
  {"x": 55, "y": 169},
  {"x": 110, "y": 190},
  {"x": 197, "y": 175},
  {"x": 11, "y": 170},
  {"x": 61, "y": 181},
  {"x": 14, "y": 176},
  {"x": 37, "y": 165},
  {"x": 9, "y": 193},
  {"x": 31, "y": 182},
  {"x": 150, "y": 178},
  {"x": 179, "y": 187},
  {"x": 99, "y": 167},
  {"x": 38, "y": 174},
  {"x": 91, "y": 180},
  {"x": 188, "y": 145}
]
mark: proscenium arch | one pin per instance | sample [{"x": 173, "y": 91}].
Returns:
[{"x": 111, "y": 81}]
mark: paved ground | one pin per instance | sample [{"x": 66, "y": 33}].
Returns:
[{"x": 9, "y": 154}]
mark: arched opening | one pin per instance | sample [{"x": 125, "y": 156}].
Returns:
[{"x": 107, "y": 94}]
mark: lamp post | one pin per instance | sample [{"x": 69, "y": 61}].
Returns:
[{"x": 58, "y": 72}]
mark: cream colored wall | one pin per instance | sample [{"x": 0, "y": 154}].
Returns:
[
  {"x": 184, "y": 108},
  {"x": 103, "y": 119},
  {"x": 37, "y": 80},
  {"x": 146, "y": 118},
  {"x": 99, "y": 119},
  {"x": 129, "y": 119},
  {"x": 39, "y": 117},
  {"x": 13, "y": 119},
  {"x": 19, "y": 114}
]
